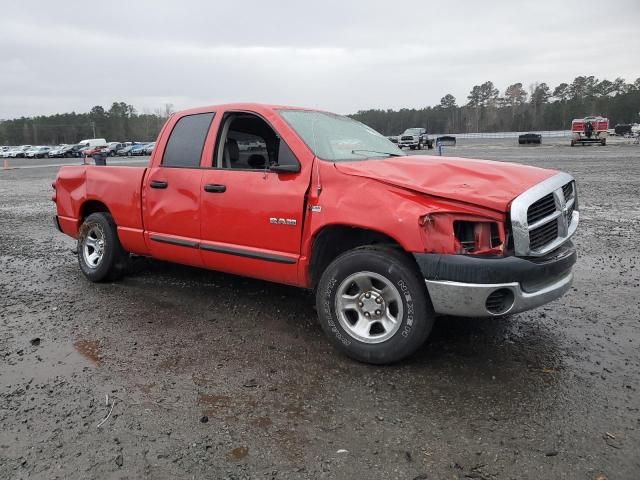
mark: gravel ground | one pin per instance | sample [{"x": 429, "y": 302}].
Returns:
[{"x": 210, "y": 375}]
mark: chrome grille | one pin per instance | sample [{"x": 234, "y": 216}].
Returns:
[
  {"x": 539, "y": 237},
  {"x": 545, "y": 216},
  {"x": 540, "y": 209}
]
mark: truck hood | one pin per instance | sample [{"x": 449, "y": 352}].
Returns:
[{"x": 484, "y": 183}]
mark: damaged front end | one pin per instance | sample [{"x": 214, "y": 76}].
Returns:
[{"x": 502, "y": 264}]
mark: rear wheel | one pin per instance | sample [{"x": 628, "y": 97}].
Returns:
[
  {"x": 603, "y": 142},
  {"x": 100, "y": 255},
  {"x": 373, "y": 305}
]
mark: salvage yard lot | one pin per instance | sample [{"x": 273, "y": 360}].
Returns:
[{"x": 210, "y": 375}]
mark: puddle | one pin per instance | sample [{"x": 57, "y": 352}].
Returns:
[
  {"x": 238, "y": 453},
  {"x": 45, "y": 361},
  {"x": 90, "y": 349}
]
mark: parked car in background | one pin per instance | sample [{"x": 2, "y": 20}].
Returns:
[
  {"x": 530, "y": 138},
  {"x": 621, "y": 129},
  {"x": 125, "y": 152},
  {"x": 88, "y": 152},
  {"x": 55, "y": 151},
  {"x": 5, "y": 151},
  {"x": 80, "y": 151},
  {"x": 138, "y": 149},
  {"x": 112, "y": 148},
  {"x": 93, "y": 142},
  {"x": 76, "y": 150},
  {"x": 19, "y": 152},
  {"x": 148, "y": 149},
  {"x": 38, "y": 152},
  {"x": 446, "y": 141},
  {"x": 415, "y": 138},
  {"x": 28, "y": 153},
  {"x": 64, "y": 151}
]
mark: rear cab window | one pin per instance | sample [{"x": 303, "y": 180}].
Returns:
[{"x": 185, "y": 144}]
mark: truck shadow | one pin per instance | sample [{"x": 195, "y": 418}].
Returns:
[
  {"x": 480, "y": 366},
  {"x": 526, "y": 340}
]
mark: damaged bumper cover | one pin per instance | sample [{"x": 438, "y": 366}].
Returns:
[{"x": 468, "y": 286}]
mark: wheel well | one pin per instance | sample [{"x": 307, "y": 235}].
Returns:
[
  {"x": 334, "y": 240},
  {"x": 91, "y": 206}
]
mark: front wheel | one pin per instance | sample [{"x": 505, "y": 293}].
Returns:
[
  {"x": 100, "y": 255},
  {"x": 373, "y": 305}
]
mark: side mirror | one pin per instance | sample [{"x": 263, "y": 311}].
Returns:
[{"x": 285, "y": 168}]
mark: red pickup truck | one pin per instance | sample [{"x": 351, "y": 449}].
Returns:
[{"x": 308, "y": 198}]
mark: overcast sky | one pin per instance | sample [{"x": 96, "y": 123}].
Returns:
[{"x": 337, "y": 55}]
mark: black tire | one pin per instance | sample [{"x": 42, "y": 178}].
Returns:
[
  {"x": 603, "y": 142},
  {"x": 112, "y": 153},
  {"x": 399, "y": 271},
  {"x": 114, "y": 260}
]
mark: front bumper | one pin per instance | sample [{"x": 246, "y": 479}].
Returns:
[{"x": 468, "y": 286}]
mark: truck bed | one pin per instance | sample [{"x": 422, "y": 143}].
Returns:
[{"x": 86, "y": 186}]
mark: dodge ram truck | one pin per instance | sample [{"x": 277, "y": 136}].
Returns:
[
  {"x": 302, "y": 197},
  {"x": 415, "y": 138}
]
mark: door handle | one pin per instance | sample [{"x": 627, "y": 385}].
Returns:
[
  {"x": 158, "y": 184},
  {"x": 215, "y": 188}
]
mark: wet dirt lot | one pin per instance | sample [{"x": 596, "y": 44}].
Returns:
[{"x": 207, "y": 375}]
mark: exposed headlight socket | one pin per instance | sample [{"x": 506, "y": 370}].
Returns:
[{"x": 476, "y": 237}]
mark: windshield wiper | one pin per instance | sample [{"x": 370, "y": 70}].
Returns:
[{"x": 376, "y": 151}]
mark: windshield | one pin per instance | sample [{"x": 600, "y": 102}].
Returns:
[
  {"x": 337, "y": 138},
  {"x": 412, "y": 131}
]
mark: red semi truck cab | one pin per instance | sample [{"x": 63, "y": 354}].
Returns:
[{"x": 308, "y": 198}]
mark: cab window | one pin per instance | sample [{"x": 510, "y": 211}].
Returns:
[
  {"x": 185, "y": 144},
  {"x": 247, "y": 142}
]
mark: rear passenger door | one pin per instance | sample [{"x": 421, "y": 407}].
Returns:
[{"x": 172, "y": 190}]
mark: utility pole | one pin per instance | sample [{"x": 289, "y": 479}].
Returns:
[{"x": 93, "y": 127}]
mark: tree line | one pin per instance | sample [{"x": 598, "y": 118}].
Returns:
[
  {"x": 517, "y": 109},
  {"x": 486, "y": 110},
  {"x": 120, "y": 123}
]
